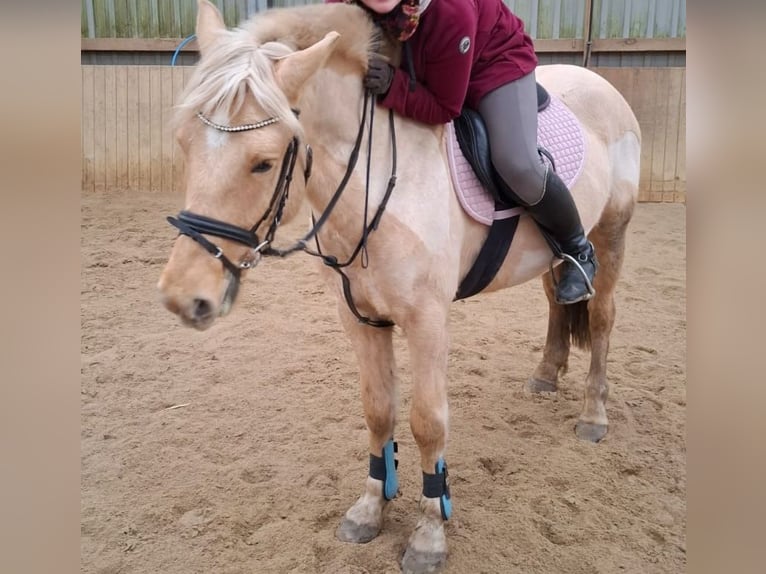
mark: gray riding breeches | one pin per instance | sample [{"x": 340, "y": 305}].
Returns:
[{"x": 510, "y": 115}]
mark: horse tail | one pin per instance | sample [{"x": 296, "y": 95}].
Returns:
[{"x": 578, "y": 324}]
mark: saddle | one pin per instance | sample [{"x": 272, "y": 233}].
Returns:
[
  {"x": 473, "y": 140},
  {"x": 474, "y": 143}
]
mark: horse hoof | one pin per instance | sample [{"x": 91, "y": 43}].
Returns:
[
  {"x": 590, "y": 431},
  {"x": 417, "y": 562},
  {"x": 539, "y": 386},
  {"x": 350, "y": 531}
]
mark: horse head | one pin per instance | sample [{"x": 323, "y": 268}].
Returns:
[{"x": 239, "y": 132}]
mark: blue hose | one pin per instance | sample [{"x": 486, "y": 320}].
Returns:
[{"x": 180, "y": 47}]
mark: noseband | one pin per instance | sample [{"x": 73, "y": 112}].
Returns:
[{"x": 197, "y": 226}]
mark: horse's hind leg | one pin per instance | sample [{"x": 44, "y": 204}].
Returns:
[
  {"x": 609, "y": 239},
  {"x": 587, "y": 325},
  {"x": 375, "y": 355},
  {"x": 556, "y": 351}
]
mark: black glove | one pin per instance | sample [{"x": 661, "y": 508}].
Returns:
[{"x": 379, "y": 76}]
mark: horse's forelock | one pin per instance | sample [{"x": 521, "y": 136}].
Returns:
[
  {"x": 241, "y": 63},
  {"x": 232, "y": 69}
]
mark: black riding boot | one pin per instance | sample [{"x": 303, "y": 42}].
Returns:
[{"x": 557, "y": 214}]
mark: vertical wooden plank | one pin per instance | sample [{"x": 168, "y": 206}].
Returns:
[
  {"x": 615, "y": 20},
  {"x": 681, "y": 32},
  {"x": 623, "y": 79},
  {"x": 238, "y": 7},
  {"x": 134, "y": 129},
  {"x": 534, "y": 21},
  {"x": 110, "y": 18},
  {"x": 680, "y": 191},
  {"x": 87, "y": 127},
  {"x": 165, "y": 20},
  {"x": 179, "y": 83},
  {"x": 155, "y": 128},
  {"x": 627, "y": 18},
  {"x": 669, "y": 167},
  {"x": 658, "y": 136},
  {"x": 177, "y": 22},
  {"x": 241, "y": 11},
  {"x": 188, "y": 16},
  {"x": 133, "y": 18},
  {"x": 122, "y": 19},
  {"x": 639, "y": 18},
  {"x": 650, "y": 18},
  {"x": 99, "y": 131},
  {"x": 572, "y": 19},
  {"x": 84, "y": 21},
  {"x": 675, "y": 18},
  {"x": 144, "y": 128},
  {"x": 221, "y": 5},
  {"x": 100, "y": 19},
  {"x": 629, "y": 82},
  {"x": 166, "y": 85},
  {"x": 663, "y": 19},
  {"x": 155, "y": 18},
  {"x": 545, "y": 20},
  {"x": 523, "y": 9},
  {"x": 121, "y": 145},
  {"x": 227, "y": 10},
  {"x": 110, "y": 129},
  {"x": 144, "y": 19},
  {"x": 600, "y": 20},
  {"x": 644, "y": 89}
]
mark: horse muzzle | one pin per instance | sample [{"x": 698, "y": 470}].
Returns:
[
  {"x": 196, "y": 290},
  {"x": 199, "y": 311}
]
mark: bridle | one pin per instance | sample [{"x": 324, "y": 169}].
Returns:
[
  {"x": 194, "y": 225},
  {"x": 197, "y": 226}
]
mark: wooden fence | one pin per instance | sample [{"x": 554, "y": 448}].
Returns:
[
  {"x": 126, "y": 139},
  {"x": 127, "y": 144},
  {"x": 658, "y": 98}
]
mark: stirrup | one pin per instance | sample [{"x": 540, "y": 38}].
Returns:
[{"x": 576, "y": 263}]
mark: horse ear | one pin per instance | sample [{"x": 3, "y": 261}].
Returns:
[
  {"x": 294, "y": 70},
  {"x": 209, "y": 24}
]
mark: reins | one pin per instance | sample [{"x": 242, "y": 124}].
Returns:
[
  {"x": 367, "y": 228},
  {"x": 194, "y": 225}
]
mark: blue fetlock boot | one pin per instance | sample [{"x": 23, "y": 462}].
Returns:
[{"x": 384, "y": 468}]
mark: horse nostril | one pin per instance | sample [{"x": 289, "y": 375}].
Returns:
[{"x": 202, "y": 309}]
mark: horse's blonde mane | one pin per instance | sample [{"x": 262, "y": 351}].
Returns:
[{"x": 241, "y": 62}]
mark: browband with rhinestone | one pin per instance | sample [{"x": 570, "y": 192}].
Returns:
[{"x": 242, "y": 128}]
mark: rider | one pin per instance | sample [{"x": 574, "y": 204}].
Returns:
[{"x": 475, "y": 53}]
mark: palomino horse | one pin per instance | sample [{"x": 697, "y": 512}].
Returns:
[{"x": 293, "y": 78}]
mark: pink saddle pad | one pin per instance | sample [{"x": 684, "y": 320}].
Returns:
[{"x": 559, "y": 132}]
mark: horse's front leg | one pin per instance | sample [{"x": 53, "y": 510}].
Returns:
[
  {"x": 375, "y": 355},
  {"x": 428, "y": 343}
]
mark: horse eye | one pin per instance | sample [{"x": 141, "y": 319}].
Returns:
[{"x": 262, "y": 167}]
